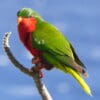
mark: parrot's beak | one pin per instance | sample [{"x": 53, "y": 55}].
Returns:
[{"x": 19, "y": 19}]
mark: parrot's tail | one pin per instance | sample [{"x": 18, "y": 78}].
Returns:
[{"x": 80, "y": 80}]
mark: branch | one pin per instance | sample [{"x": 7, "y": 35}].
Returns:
[{"x": 35, "y": 75}]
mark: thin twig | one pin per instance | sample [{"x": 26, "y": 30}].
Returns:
[{"x": 35, "y": 75}]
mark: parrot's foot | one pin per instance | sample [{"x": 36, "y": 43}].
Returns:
[
  {"x": 39, "y": 65},
  {"x": 36, "y": 60},
  {"x": 33, "y": 69},
  {"x": 41, "y": 62}
]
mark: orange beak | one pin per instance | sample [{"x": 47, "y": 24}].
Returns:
[{"x": 19, "y": 19}]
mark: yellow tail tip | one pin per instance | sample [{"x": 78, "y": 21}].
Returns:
[{"x": 90, "y": 94}]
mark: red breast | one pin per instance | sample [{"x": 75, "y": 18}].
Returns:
[{"x": 25, "y": 27}]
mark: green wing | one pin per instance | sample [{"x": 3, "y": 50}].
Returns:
[
  {"x": 50, "y": 40},
  {"x": 76, "y": 57}
]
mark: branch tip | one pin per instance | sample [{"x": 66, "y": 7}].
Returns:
[{"x": 6, "y": 39}]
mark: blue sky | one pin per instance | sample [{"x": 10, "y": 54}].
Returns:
[{"x": 79, "y": 20}]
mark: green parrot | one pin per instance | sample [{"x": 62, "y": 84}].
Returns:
[{"x": 49, "y": 46}]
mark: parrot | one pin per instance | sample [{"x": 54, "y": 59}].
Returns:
[{"x": 49, "y": 47}]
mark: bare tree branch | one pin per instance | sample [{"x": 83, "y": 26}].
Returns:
[{"x": 35, "y": 75}]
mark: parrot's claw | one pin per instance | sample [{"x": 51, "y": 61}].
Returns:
[
  {"x": 33, "y": 69},
  {"x": 40, "y": 71},
  {"x": 35, "y": 60},
  {"x": 41, "y": 74}
]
